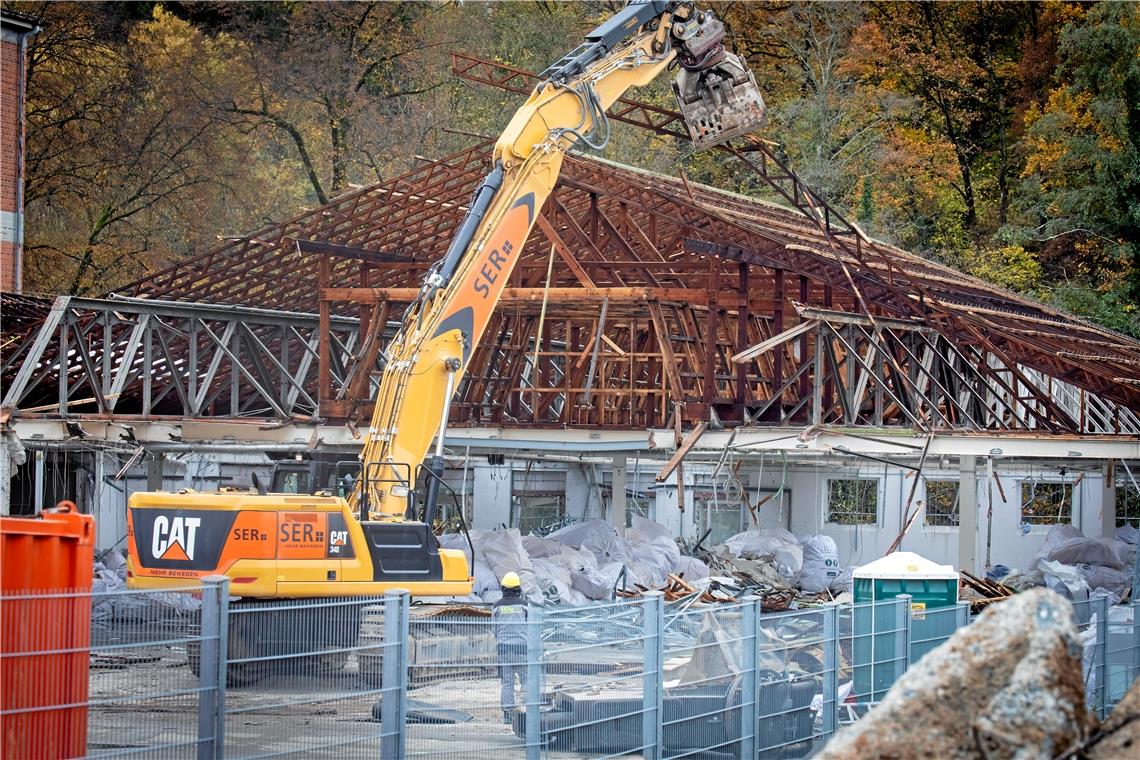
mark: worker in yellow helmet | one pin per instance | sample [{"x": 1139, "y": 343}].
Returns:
[{"x": 509, "y": 615}]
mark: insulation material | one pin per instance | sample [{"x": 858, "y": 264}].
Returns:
[{"x": 1064, "y": 579}]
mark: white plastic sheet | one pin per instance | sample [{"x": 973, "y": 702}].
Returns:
[
  {"x": 773, "y": 545},
  {"x": 1107, "y": 552},
  {"x": 1066, "y": 580}
]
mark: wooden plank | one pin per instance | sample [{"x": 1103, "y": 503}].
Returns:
[
  {"x": 764, "y": 347},
  {"x": 564, "y": 251},
  {"x": 626, "y": 294},
  {"x": 671, "y": 373},
  {"x": 682, "y": 450}
]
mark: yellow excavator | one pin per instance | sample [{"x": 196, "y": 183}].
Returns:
[{"x": 274, "y": 545}]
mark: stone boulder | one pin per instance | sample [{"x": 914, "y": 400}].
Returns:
[
  {"x": 1119, "y": 737},
  {"x": 1007, "y": 686}
]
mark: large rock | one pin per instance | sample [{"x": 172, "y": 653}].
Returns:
[
  {"x": 1007, "y": 686},
  {"x": 1119, "y": 737}
]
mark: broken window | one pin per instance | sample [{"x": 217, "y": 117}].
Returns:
[
  {"x": 1045, "y": 503},
  {"x": 853, "y": 501},
  {"x": 538, "y": 501},
  {"x": 942, "y": 503}
]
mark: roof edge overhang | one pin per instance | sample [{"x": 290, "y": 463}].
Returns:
[{"x": 893, "y": 444}]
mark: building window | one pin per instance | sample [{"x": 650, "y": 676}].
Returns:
[
  {"x": 1044, "y": 503},
  {"x": 1127, "y": 503},
  {"x": 853, "y": 501},
  {"x": 942, "y": 503},
  {"x": 538, "y": 501}
]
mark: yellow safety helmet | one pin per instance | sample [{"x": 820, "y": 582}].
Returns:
[{"x": 511, "y": 580}]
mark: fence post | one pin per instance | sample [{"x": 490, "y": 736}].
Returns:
[
  {"x": 830, "y": 668},
  {"x": 1135, "y": 671},
  {"x": 961, "y": 615},
  {"x": 749, "y": 684},
  {"x": 902, "y": 635},
  {"x": 394, "y": 678},
  {"x": 653, "y": 676},
  {"x": 212, "y": 667},
  {"x": 534, "y": 672},
  {"x": 1101, "y": 658}
]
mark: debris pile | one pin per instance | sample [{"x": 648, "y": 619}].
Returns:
[
  {"x": 584, "y": 562},
  {"x": 985, "y": 592},
  {"x": 107, "y": 606},
  {"x": 590, "y": 561},
  {"x": 1075, "y": 566}
]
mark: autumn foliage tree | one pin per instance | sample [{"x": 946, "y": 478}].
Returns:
[{"x": 1001, "y": 138}]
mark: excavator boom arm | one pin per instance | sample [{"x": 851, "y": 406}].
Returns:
[{"x": 427, "y": 358}]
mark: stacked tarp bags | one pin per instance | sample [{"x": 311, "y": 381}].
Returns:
[
  {"x": 596, "y": 536},
  {"x": 1074, "y": 565},
  {"x": 108, "y": 605},
  {"x": 576, "y": 564}
]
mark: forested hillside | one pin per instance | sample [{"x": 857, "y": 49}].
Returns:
[{"x": 1002, "y": 138}]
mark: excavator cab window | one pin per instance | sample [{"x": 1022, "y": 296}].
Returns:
[
  {"x": 296, "y": 482},
  {"x": 292, "y": 477}
]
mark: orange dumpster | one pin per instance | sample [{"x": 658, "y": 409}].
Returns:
[{"x": 46, "y": 565}]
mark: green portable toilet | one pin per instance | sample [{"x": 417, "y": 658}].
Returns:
[{"x": 932, "y": 588}]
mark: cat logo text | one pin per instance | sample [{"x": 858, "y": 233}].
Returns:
[{"x": 173, "y": 538}]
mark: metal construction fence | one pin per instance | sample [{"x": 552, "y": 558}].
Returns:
[{"x": 192, "y": 674}]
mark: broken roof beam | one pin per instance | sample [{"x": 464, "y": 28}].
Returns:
[
  {"x": 764, "y": 347},
  {"x": 834, "y": 316},
  {"x": 682, "y": 451}
]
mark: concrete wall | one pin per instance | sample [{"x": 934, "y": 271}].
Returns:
[{"x": 801, "y": 509}]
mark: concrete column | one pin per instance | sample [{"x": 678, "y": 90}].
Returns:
[
  {"x": 154, "y": 472},
  {"x": 668, "y": 511},
  {"x": 1108, "y": 500},
  {"x": 617, "y": 498},
  {"x": 38, "y": 505},
  {"x": 492, "y": 496},
  {"x": 968, "y": 514}
]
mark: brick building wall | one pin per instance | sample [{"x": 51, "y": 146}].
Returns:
[{"x": 14, "y": 29}]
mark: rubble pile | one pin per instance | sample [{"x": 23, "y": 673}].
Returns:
[{"x": 107, "y": 606}]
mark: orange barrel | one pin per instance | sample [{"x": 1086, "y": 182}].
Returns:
[{"x": 46, "y": 566}]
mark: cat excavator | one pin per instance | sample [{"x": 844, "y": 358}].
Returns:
[{"x": 369, "y": 540}]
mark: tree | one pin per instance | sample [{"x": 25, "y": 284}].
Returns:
[
  {"x": 122, "y": 163},
  {"x": 1082, "y": 173},
  {"x": 957, "y": 63},
  {"x": 331, "y": 83}
]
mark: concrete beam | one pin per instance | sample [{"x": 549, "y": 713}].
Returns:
[{"x": 893, "y": 444}]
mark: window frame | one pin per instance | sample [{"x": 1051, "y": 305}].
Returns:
[
  {"x": 956, "y": 512},
  {"x": 1067, "y": 490},
  {"x": 878, "y": 496}
]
